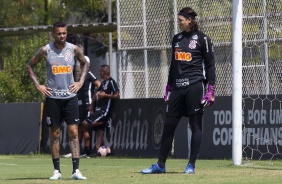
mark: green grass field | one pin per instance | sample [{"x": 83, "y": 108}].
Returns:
[{"x": 30, "y": 169}]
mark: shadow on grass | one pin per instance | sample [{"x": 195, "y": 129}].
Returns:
[{"x": 161, "y": 173}]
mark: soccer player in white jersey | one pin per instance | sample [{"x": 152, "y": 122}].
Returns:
[{"x": 60, "y": 91}]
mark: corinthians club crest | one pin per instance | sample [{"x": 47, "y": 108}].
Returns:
[{"x": 157, "y": 128}]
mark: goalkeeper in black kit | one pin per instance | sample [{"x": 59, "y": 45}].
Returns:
[{"x": 190, "y": 87}]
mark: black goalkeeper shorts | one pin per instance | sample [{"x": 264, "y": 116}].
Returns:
[{"x": 186, "y": 101}]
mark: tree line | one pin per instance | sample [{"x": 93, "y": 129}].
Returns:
[{"x": 15, "y": 51}]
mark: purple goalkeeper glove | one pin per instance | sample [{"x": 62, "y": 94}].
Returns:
[
  {"x": 208, "y": 99},
  {"x": 167, "y": 92}
]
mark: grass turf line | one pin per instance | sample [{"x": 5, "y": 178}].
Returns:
[{"x": 36, "y": 169}]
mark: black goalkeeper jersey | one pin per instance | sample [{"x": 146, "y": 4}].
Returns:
[
  {"x": 85, "y": 93},
  {"x": 192, "y": 59}
]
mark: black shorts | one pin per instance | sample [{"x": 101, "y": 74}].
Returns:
[
  {"x": 83, "y": 112},
  {"x": 58, "y": 110},
  {"x": 186, "y": 101},
  {"x": 101, "y": 117}
]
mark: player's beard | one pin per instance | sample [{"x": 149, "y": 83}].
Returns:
[
  {"x": 62, "y": 42},
  {"x": 59, "y": 43}
]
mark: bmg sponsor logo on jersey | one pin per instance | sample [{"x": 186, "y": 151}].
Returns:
[
  {"x": 183, "y": 56},
  {"x": 61, "y": 69}
]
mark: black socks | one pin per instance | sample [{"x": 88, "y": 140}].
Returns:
[
  {"x": 75, "y": 164},
  {"x": 56, "y": 163}
]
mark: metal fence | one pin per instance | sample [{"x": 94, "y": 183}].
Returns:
[{"x": 146, "y": 28}]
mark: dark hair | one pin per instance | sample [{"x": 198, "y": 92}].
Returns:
[
  {"x": 189, "y": 12},
  {"x": 105, "y": 69},
  {"x": 59, "y": 24}
]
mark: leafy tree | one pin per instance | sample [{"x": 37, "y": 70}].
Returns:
[
  {"x": 89, "y": 11},
  {"x": 19, "y": 13},
  {"x": 16, "y": 50},
  {"x": 15, "y": 83}
]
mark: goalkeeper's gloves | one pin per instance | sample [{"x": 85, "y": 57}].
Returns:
[
  {"x": 167, "y": 92},
  {"x": 209, "y": 98}
]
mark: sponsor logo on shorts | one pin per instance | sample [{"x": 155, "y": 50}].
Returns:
[{"x": 48, "y": 121}]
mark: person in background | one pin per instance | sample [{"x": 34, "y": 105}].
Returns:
[
  {"x": 192, "y": 69},
  {"x": 60, "y": 91},
  {"x": 84, "y": 95},
  {"x": 102, "y": 105}
]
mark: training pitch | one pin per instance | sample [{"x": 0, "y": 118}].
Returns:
[{"x": 31, "y": 169}]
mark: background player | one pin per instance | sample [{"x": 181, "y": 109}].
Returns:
[
  {"x": 102, "y": 105},
  {"x": 84, "y": 95}
]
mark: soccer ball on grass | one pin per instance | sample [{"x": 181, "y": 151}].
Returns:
[{"x": 103, "y": 150}]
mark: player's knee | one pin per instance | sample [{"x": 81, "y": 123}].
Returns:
[
  {"x": 100, "y": 133},
  {"x": 55, "y": 132}
]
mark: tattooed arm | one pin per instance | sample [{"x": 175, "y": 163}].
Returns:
[
  {"x": 36, "y": 58},
  {"x": 84, "y": 69}
]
